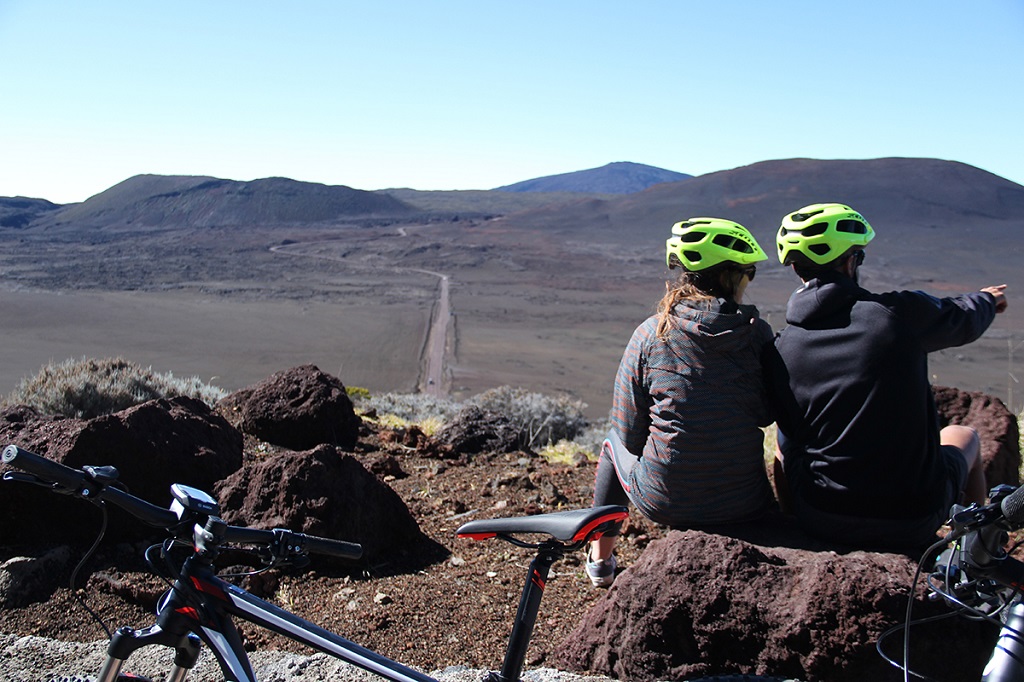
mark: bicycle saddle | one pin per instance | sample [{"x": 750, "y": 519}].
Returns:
[{"x": 574, "y": 525}]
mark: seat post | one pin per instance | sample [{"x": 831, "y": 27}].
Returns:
[{"x": 526, "y": 616}]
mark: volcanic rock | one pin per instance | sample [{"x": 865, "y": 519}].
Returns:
[
  {"x": 698, "y": 603},
  {"x": 155, "y": 444},
  {"x": 27, "y": 579},
  {"x": 474, "y": 430},
  {"x": 327, "y": 492},
  {"x": 297, "y": 408}
]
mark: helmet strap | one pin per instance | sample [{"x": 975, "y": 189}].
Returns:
[{"x": 852, "y": 262}]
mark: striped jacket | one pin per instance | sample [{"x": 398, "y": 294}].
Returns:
[{"x": 690, "y": 408}]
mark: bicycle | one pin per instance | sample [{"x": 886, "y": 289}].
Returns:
[
  {"x": 199, "y": 607},
  {"x": 976, "y": 575}
]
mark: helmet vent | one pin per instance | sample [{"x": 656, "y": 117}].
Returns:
[
  {"x": 814, "y": 230},
  {"x": 732, "y": 243},
  {"x": 819, "y": 249},
  {"x": 692, "y": 256},
  {"x": 691, "y": 237},
  {"x": 851, "y": 226},
  {"x": 800, "y": 217}
]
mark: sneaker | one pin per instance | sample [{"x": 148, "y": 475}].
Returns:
[{"x": 602, "y": 573}]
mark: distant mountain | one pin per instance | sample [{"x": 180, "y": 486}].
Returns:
[
  {"x": 621, "y": 177},
  {"x": 20, "y": 211},
  {"x": 905, "y": 192},
  {"x": 198, "y": 201}
]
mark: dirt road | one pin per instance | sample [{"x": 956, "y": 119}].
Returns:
[
  {"x": 432, "y": 377},
  {"x": 437, "y": 342}
]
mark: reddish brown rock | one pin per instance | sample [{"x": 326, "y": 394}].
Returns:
[
  {"x": 298, "y": 408},
  {"x": 768, "y": 600},
  {"x": 327, "y": 492},
  {"x": 153, "y": 445},
  {"x": 698, "y": 603}
]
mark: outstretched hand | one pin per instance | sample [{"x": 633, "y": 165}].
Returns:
[{"x": 999, "y": 294}]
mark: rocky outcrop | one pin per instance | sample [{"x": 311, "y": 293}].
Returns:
[
  {"x": 774, "y": 603},
  {"x": 995, "y": 424},
  {"x": 298, "y": 408},
  {"x": 475, "y": 430},
  {"x": 329, "y": 493},
  {"x": 26, "y": 579},
  {"x": 153, "y": 445}
]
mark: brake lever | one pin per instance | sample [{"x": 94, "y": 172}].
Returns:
[
  {"x": 288, "y": 549},
  {"x": 967, "y": 519},
  {"x": 22, "y": 477}
]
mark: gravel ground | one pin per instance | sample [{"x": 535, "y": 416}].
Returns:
[
  {"x": 31, "y": 659},
  {"x": 457, "y": 612}
]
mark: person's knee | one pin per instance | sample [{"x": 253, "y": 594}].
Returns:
[{"x": 965, "y": 439}]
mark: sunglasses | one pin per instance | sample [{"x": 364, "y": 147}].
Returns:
[{"x": 750, "y": 272}]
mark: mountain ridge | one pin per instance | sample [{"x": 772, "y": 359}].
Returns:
[
  {"x": 203, "y": 201},
  {"x": 914, "y": 190}
]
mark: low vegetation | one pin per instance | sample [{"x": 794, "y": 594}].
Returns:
[
  {"x": 90, "y": 388},
  {"x": 543, "y": 422}
]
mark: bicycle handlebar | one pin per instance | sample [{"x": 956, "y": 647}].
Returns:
[{"x": 75, "y": 481}]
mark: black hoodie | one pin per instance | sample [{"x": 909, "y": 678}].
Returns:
[{"x": 857, "y": 420}]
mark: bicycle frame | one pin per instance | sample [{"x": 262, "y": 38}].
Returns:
[
  {"x": 201, "y": 607},
  {"x": 982, "y": 551}
]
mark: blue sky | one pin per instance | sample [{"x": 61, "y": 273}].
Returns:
[{"x": 477, "y": 94}]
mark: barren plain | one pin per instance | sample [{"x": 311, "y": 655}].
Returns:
[{"x": 233, "y": 305}]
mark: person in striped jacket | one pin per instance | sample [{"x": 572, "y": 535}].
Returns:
[{"x": 685, "y": 445}]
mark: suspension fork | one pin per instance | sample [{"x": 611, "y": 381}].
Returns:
[
  {"x": 127, "y": 640},
  {"x": 526, "y": 615}
]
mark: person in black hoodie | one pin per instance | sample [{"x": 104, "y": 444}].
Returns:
[{"x": 864, "y": 460}]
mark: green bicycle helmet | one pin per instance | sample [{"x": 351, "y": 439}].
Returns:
[
  {"x": 820, "y": 233},
  {"x": 701, "y": 243}
]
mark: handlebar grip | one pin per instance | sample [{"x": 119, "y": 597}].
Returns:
[
  {"x": 46, "y": 469},
  {"x": 335, "y": 548},
  {"x": 306, "y": 543},
  {"x": 1012, "y": 507}
]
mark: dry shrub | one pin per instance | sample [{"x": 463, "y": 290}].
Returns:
[{"x": 90, "y": 388}]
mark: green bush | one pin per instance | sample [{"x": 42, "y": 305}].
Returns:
[
  {"x": 90, "y": 388},
  {"x": 357, "y": 394},
  {"x": 592, "y": 437}
]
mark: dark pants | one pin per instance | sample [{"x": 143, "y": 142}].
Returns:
[
  {"x": 611, "y": 483},
  {"x": 879, "y": 533}
]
